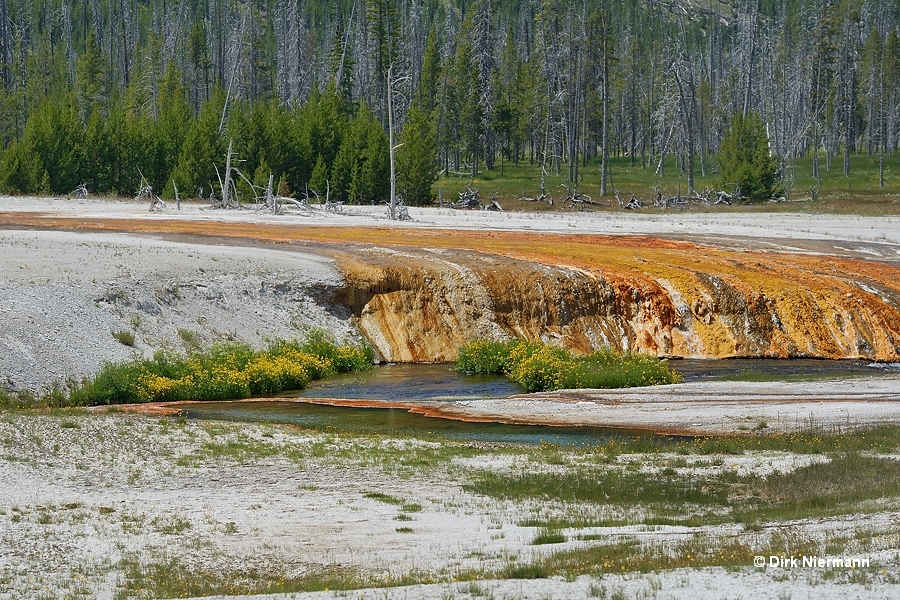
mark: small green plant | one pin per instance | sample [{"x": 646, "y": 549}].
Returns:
[
  {"x": 190, "y": 338},
  {"x": 386, "y": 498},
  {"x": 173, "y": 524},
  {"x": 123, "y": 336},
  {"x": 549, "y": 536}
]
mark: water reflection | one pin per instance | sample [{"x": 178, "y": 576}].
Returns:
[{"x": 390, "y": 420}]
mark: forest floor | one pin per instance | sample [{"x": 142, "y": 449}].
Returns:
[{"x": 121, "y": 505}]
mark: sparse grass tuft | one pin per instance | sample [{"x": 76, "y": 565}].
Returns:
[
  {"x": 386, "y": 498},
  {"x": 123, "y": 336},
  {"x": 549, "y": 536},
  {"x": 190, "y": 338}
]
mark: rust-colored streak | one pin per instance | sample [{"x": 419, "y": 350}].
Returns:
[{"x": 419, "y": 293}]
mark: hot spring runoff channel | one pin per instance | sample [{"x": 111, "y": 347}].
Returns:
[{"x": 411, "y": 383}]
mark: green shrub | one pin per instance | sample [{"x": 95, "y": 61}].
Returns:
[
  {"x": 607, "y": 369},
  {"x": 344, "y": 357},
  {"x": 225, "y": 371},
  {"x": 539, "y": 367},
  {"x": 484, "y": 357}
]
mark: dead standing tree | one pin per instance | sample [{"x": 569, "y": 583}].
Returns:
[
  {"x": 393, "y": 212},
  {"x": 227, "y": 187}
]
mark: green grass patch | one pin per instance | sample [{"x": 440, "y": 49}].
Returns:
[
  {"x": 55, "y": 397},
  {"x": 819, "y": 490},
  {"x": 839, "y": 486},
  {"x": 539, "y": 367},
  {"x": 813, "y": 439},
  {"x": 549, "y": 536},
  {"x": 632, "y": 555},
  {"x": 599, "y": 485},
  {"x": 386, "y": 498},
  {"x": 859, "y": 193},
  {"x": 174, "y": 579}
]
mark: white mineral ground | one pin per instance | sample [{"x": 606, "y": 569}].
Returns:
[{"x": 63, "y": 293}]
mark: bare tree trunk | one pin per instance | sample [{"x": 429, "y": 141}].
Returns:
[
  {"x": 604, "y": 137},
  {"x": 226, "y": 185}
]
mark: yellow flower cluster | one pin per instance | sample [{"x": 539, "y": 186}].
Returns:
[
  {"x": 538, "y": 367},
  {"x": 231, "y": 377},
  {"x": 288, "y": 370},
  {"x": 155, "y": 388}
]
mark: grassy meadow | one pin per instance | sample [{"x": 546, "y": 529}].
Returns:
[{"x": 859, "y": 193}]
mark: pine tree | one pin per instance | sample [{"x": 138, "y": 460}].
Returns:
[
  {"x": 417, "y": 165},
  {"x": 21, "y": 169},
  {"x": 318, "y": 180},
  {"x": 203, "y": 148},
  {"x": 744, "y": 159},
  {"x": 57, "y": 136}
]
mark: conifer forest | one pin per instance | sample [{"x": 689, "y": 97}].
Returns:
[{"x": 114, "y": 94}]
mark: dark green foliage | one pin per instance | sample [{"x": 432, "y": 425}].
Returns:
[
  {"x": 55, "y": 133},
  {"x": 416, "y": 158},
  {"x": 203, "y": 148},
  {"x": 21, "y": 169},
  {"x": 318, "y": 180},
  {"x": 744, "y": 159}
]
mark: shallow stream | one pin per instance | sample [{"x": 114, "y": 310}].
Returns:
[{"x": 411, "y": 383}]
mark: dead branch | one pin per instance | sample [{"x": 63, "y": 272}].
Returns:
[
  {"x": 146, "y": 191},
  {"x": 493, "y": 205},
  {"x": 468, "y": 199}
]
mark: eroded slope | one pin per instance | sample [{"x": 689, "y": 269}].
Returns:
[{"x": 418, "y": 293}]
